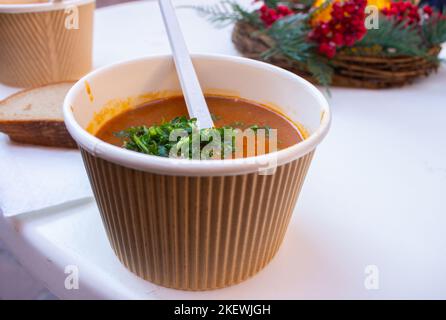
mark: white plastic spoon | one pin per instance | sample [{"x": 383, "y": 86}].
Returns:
[{"x": 196, "y": 104}]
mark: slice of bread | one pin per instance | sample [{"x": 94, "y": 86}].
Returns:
[{"x": 35, "y": 116}]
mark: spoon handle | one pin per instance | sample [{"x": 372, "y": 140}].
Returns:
[{"x": 196, "y": 104}]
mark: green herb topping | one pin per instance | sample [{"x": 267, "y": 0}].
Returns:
[{"x": 178, "y": 137}]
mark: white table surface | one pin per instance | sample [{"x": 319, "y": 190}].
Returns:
[{"x": 375, "y": 193}]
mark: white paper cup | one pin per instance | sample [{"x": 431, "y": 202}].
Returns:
[
  {"x": 191, "y": 224},
  {"x": 46, "y": 42}
]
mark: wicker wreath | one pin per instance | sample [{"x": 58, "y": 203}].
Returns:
[{"x": 364, "y": 71}]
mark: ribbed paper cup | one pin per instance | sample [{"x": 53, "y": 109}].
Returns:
[
  {"x": 42, "y": 43},
  {"x": 191, "y": 224}
]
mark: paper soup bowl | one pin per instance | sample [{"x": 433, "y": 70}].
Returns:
[
  {"x": 45, "y": 42},
  {"x": 191, "y": 224}
]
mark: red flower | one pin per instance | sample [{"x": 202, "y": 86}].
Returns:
[
  {"x": 428, "y": 10},
  {"x": 338, "y": 39},
  {"x": 281, "y": 9},
  {"x": 345, "y": 27},
  {"x": 349, "y": 40},
  {"x": 270, "y": 15},
  {"x": 406, "y": 12},
  {"x": 327, "y": 49}
]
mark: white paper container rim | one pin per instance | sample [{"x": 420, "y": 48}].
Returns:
[
  {"x": 186, "y": 167},
  {"x": 40, "y": 7}
]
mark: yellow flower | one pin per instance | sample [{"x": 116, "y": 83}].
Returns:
[
  {"x": 325, "y": 14},
  {"x": 381, "y": 4}
]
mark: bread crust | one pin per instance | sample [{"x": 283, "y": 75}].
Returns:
[
  {"x": 48, "y": 133},
  {"x": 42, "y": 132}
]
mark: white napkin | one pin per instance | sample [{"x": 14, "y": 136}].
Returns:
[{"x": 33, "y": 178}]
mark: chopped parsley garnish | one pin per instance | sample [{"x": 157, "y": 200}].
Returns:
[{"x": 182, "y": 137}]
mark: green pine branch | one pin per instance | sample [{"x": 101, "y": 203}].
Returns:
[
  {"x": 271, "y": 3},
  {"x": 302, "y": 3},
  {"x": 321, "y": 70},
  {"x": 292, "y": 4},
  {"x": 434, "y": 30},
  {"x": 225, "y": 13},
  {"x": 290, "y": 35},
  {"x": 394, "y": 38}
]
